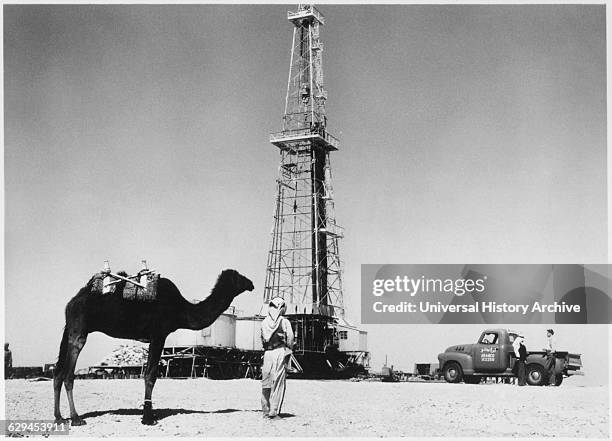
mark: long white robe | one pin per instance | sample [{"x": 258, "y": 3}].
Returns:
[{"x": 274, "y": 373}]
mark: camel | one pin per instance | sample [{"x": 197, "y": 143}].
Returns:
[{"x": 111, "y": 314}]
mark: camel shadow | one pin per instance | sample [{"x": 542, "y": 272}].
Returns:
[
  {"x": 286, "y": 415},
  {"x": 160, "y": 414}
]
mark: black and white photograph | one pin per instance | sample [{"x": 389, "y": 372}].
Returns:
[{"x": 306, "y": 220}]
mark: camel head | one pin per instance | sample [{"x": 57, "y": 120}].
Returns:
[{"x": 234, "y": 283}]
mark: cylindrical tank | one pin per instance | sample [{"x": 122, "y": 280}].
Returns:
[
  {"x": 184, "y": 337},
  {"x": 248, "y": 333},
  {"x": 221, "y": 333}
]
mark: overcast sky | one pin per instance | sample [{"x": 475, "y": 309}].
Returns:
[{"x": 470, "y": 134}]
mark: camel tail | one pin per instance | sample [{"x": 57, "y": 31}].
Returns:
[{"x": 63, "y": 352}]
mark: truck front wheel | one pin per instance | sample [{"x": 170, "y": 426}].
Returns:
[
  {"x": 536, "y": 375},
  {"x": 558, "y": 379},
  {"x": 452, "y": 372}
]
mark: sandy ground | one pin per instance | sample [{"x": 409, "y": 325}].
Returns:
[{"x": 323, "y": 408}]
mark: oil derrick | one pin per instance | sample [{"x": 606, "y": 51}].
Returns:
[{"x": 303, "y": 265}]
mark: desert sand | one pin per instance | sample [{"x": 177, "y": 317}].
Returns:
[{"x": 199, "y": 407}]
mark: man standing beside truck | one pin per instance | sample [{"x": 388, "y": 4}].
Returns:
[
  {"x": 550, "y": 349},
  {"x": 521, "y": 357}
]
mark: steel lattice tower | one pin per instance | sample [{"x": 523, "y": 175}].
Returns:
[{"x": 303, "y": 263}]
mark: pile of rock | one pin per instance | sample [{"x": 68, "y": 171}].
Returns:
[{"x": 126, "y": 355}]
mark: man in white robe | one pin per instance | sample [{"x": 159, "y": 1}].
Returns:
[{"x": 277, "y": 340}]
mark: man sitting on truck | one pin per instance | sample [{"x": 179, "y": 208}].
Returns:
[
  {"x": 550, "y": 349},
  {"x": 521, "y": 357}
]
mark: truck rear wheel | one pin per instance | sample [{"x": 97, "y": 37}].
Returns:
[
  {"x": 558, "y": 379},
  {"x": 536, "y": 375},
  {"x": 452, "y": 372}
]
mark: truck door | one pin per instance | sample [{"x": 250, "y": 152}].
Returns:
[{"x": 487, "y": 355}]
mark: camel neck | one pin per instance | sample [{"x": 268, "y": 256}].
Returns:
[{"x": 203, "y": 314}]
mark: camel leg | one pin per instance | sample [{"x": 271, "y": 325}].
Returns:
[
  {"x": 57, "y": 392},
  {"x": 59, "y": 373},
  {"x": 155, "y": 350},
  {"x": 76, "y": 341}
]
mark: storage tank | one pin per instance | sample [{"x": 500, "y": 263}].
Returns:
[
  {"x": 221, "y": 333},
  {"x": 248, "y": 331},
  {"x": 184, "y": 337}
]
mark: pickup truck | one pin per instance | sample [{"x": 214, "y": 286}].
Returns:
[{"x": 493, "y": 356}]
